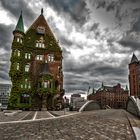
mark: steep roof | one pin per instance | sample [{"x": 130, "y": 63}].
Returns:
[
  {"x": 20, "y": 25},
  {"x": 134, "y": 59},
  {"x": 41, "y": 21}
]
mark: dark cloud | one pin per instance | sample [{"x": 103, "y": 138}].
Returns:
[
  {"x": 76, "y": 9},
  {"x": 65, "y": 41},
  {"x": 5, "y": 44},
  {"x": 15, "y": 6},
  {"x": 110, "y": 71},
  {"x": 94, "y": 27},
  {"x": 131, "y": 44},
  {"x": 131, "y": 40},
  {"x": 136, "y": 26},
  {"x": 6, "y": 36}
]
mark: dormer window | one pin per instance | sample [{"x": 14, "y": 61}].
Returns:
[{"x": 40, "y": 30}]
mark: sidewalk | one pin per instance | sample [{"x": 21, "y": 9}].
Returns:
[{"x": 135, "y": 124}]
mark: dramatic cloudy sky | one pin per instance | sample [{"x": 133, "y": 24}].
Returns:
[{"x": 97, "y": 37}]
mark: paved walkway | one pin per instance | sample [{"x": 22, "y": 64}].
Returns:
[{"x": 96, "y": 125}]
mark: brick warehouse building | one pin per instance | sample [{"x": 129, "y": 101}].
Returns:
[
  {"x": 36, "y": 67},
  {"x": 134, "y": 76},
  {"x": 114, "y": 97}
]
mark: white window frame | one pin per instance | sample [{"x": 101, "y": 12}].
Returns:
[
  {"x": 43, "y": 45},
  {"x": 27, "y": 67},
  {"x": 21, "y": 40},
  {"x": 51, "y": 57},
  {"x": 17, "y": 66},
  {"x": 18, "y": 52},
  {"x": 18, "y": 39},
  {"x": 39, "y": 57},
  {"x": 27, "y": 56},
  {"x": 45, "y": 84},
  {"x": 29, "y": 85}
]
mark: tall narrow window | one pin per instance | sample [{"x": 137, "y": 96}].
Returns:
[
  {"x": 25, "y": 85},
  {"x": 29, "y": 85},
  {"x": 50, "y": 57},
  {"x": 17, "y": 66},
  {"x": 45, "y": 84},
  {"x": 27, "y": 68},
  {"x": 43, "y": 46},
  {"x": 21, "y": 85},
  {"x": 21, "y": 40},
  {"x": 27, "y": 56},
  {"x": 18, "y": 39},
  {"x": 18, "y": 53},
  {"x": 36, "y": 45}
]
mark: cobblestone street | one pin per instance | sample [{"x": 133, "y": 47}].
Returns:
[{"x": 96, "y": 125}]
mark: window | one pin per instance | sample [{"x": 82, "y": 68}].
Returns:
[
  {"x": 29, "y": 85},
  {"x": 27, "y": 56},
  {"x": 40, "y": 30},
  {"x": 39, "y": 57},
  {"x": 43, "y": 45},
  {"x": 21, "y": 86},
  {"x": 27, "y": 68},
  {"x": 18, "y": 53},
  {"x": 26, "y": 84},
  {"x": 50, "y": 57},
  {"x": 24, "y": 98},
  {"x": 19, "y": 40},
  {"x": 40, "y": 45},
  {"x": 17, "y": 66},
  {"x": 45, "y": 84}
]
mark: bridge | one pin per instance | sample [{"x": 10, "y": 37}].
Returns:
[{"x": 109, "y": 124}]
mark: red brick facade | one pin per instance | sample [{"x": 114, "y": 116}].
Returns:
[
  {"x": 134, "y": 76},
  {"x": 114, "y": 97}
]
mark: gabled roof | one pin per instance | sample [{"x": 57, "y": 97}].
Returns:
[
  {"x": 20, "y": 25},
  {"x": 134, "y": 59},
  {"x": 41, "y": 21}
]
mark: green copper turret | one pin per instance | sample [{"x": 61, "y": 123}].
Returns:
[{"x": 20, "y": 25}]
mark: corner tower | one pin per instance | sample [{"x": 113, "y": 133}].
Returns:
[
  {"x": 134, "y": 76},
  {"x": 36, "y": 67}
]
